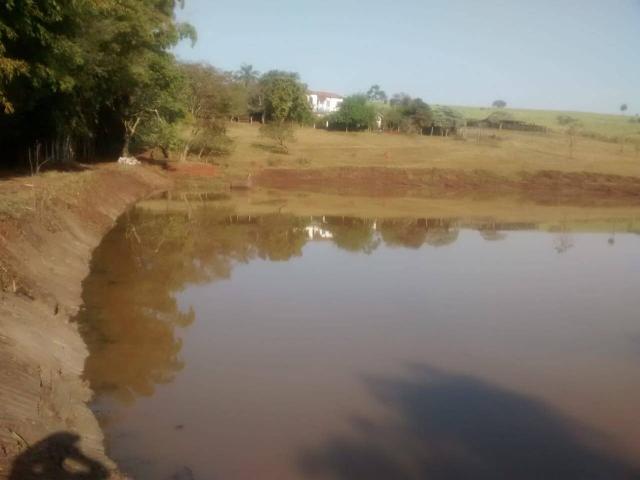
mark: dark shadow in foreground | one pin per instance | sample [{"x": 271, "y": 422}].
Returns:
[
  {"x": 450, "y": 427},
  {"x": 57, "y": 457}
]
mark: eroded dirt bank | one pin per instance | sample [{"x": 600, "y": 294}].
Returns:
[
  {"x": 49, "y": 226},
  {"x": 543, "y": 186}
]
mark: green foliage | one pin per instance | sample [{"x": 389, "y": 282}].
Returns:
[
  {"x": 376, "y": 94},
  {"x": 445, "y": 117},
  {"x": 282, "y": 133},
  {"x": 408, "y": 115},
  {"x": 157, "y": 133},
  {"x": 247, "y": 75},
  {"x": 156, "y": 98},
  {"x": 499, "y": 104},
  {"x": 624, "y": 107},
  {"x": 208, "y": 97},
  {"x": 283, "y": 97},
  {"x": 356, "y": 113},
  {"x": 86, "y": 70}
]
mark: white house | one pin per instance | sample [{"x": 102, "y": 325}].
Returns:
[{"x": 324, "y": 102}]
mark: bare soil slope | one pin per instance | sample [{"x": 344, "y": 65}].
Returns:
[{"x": 49, "y": 226}]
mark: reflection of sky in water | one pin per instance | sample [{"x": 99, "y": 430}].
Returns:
[{"x": 405, "y": 350}]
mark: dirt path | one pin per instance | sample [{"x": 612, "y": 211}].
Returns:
[{"x": 49, "y": 226}]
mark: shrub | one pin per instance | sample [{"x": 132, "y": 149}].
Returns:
[{"x": 280, "y": 132}]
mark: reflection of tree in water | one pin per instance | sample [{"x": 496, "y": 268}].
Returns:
[
  {"x": 403, "y": 232},
  {"x": 441, "y": 232},
  {"x": 353, "y": 234},
  {"x": 279, "y": 237},
  {"x": 563, "y": 241},
  {"x": 491, "y": 232},
  {"x": 413, "y": 233},
  {"x": 131, "y": 314},
  {"x": 447, "y": 427}
]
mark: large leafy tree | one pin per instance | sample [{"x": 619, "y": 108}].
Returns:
[
  {"x": 407, "y": 114},
  {"x": 80, "y": 69},
  {"x": 284, "y": 97},
  {"x": 356, "y": 113},
  {"x": 208, "y": 103}
]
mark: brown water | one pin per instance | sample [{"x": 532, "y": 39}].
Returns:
[{"x": 278, "y": 347}]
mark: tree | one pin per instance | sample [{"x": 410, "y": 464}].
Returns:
[
  {"x": 499, "y": 104},
  {"x": 284, "y": 97},
  {"x": 409, "y": 115},
  {"x": 419, "y": 114},
  {"x": 247, "y": 75},
  {"x": 565, "y": 119},
  {"x": 156, "y": 99},
  {"x": 572, "y": 130},
  {"x": 624, "y": 107},
  {"x": 356, "y": 113},
  {"x": 280, "y": 132},
  {"x": 208, "y": 103},
  {"x": 71, "y": 71},
  {"x": 399, "y": 98},
  {"x": 376, "y": 94}
]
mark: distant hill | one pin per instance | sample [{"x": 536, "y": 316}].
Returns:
[{"x": 603, "y": 126}]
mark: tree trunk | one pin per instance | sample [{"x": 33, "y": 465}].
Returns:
[
  {"x": 185, "y": 152},
  {"x": 129, "y": 132},
  {"x": 125, "y": 147}
]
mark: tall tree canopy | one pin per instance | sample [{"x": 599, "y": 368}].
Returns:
[
  {"x": 376, "y": 94},
  {"x": 283, "y": 97},
  {"x": 85, "y": 70}
]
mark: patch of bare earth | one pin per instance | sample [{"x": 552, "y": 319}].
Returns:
[
  {"x": 49, "y": 226},
  {"x": 193, "y": 169},
  {"x": 543, "y": 186}
]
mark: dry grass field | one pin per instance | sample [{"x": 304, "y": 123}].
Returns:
[{"x": 500, "y": 152}]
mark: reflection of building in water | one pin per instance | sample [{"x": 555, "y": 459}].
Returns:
[{"x": 316, "y": 232}]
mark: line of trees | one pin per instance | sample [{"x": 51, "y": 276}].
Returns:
[
  {"x": 401, "y": 113},
  {"x": 79, "y": 78},
  {"x": 96, "y": 78}
]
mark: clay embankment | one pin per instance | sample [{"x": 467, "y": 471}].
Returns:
[
  {"x": 49, "y": 226},
  {"x": 546, "y": 186}
]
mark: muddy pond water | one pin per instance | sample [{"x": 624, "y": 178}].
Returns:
[{"x": 228, "y": 346}]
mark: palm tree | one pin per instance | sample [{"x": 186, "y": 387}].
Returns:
[{"x": 247, "y": 75}]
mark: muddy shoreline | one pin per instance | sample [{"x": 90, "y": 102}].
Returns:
[{"x": 47, "y": 236}]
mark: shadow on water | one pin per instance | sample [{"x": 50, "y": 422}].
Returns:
[
  {"x": 57, "y": 457},
  {"x": 449, "y": 426}
]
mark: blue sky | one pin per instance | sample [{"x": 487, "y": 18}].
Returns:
[{"x": 560, "y": 54}]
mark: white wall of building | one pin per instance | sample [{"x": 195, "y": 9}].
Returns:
[{"x": 324, "y": 103}]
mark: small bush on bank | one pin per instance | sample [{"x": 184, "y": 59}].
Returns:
[{"x": 282, "y": 133}]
